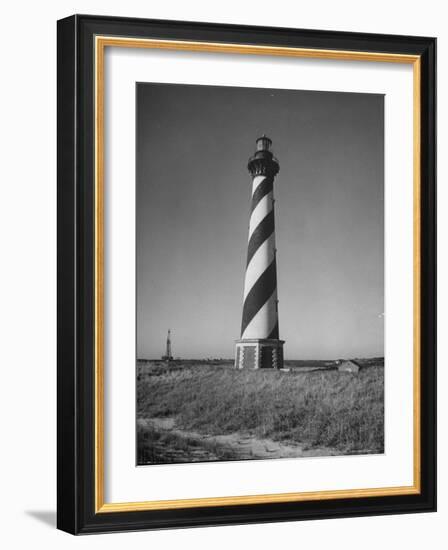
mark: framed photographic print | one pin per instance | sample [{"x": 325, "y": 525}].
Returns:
[{"x": 246, "y": 274}]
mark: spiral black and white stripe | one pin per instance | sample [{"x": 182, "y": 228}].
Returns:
[{"x": 260, "y": 312}]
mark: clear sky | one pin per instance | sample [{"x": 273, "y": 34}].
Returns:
[{"x": 193, "y": 204}]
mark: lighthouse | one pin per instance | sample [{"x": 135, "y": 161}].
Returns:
[
  {"x": 168, "y": 356},
  {"x": 260, "y": 346}
]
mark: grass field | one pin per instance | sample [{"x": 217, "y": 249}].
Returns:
[{"x": 312, "y": 408}]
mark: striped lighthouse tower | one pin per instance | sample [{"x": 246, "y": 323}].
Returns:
[{"x": 260, "y": 346}]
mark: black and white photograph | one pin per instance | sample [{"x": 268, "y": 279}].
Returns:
[
  {"x": 246, "y": 274},
  {"x": 260, "y": 273}
]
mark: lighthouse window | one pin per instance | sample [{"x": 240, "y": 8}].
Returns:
[{"x": 263, "y": 144}]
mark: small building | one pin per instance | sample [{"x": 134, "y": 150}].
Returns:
[{"x": 348, "y": 365}]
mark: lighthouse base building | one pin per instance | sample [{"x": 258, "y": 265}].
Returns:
[
  {"x": 260, "y": 346},
  {"x": 259, "y": 353}
]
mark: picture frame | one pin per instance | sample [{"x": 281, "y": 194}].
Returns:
[{"x": 82, "y": 42}]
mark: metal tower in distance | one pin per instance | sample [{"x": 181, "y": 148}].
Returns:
[
  {"x": 260, "y": 346},
  {"x": 168, "y": 356}
]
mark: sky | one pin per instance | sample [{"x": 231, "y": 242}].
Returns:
[{"x": 193, "y": 205}]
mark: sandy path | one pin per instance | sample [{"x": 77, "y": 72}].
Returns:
[{"x": 243, "y": 445}]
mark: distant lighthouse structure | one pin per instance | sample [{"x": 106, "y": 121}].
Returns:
[
  {"x": 168, "y": 355},
  {"x": 260, "y": 346}
]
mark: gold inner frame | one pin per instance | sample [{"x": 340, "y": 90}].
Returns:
[{"x": 101, "y": 42}]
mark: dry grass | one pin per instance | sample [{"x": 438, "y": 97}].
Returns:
[
  {"x": 317, "y": 409},
  {"x": 158, "y": 447}
]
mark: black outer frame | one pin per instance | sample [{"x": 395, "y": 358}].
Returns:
[{"x": 75, "y": 381}]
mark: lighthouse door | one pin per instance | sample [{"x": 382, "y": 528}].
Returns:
[{"x": 266, "y": 357}]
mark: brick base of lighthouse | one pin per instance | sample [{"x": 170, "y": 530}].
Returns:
[{"x": 259, "y": 354}]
